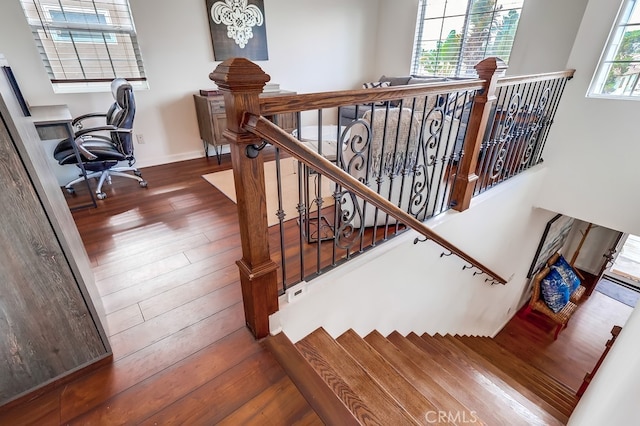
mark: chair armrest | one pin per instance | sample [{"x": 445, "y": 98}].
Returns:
[
  {"x": 537, "y": 279},
  {"x": 553, "y": 259},
  {"x": 106, "y": 128},
  {"x": 540, "y": 306},
  {"x": 83, "y": 151},
  {"x": 578, "y": 293},
  {"x": 560, "y": 317},
  {"x": 78, "y": 120},
  {"x": 101, "y": 138}
]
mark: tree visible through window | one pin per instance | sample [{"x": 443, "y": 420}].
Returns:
[
  {"x": 85, "y": 41},
  {"x": 452, "y": 36},
  {"x": 619, "y": 69}
]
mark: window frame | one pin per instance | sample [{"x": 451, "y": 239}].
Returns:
[
  {"x": 609, "y": 52},
  {"x": 462, "y": 46},
  {"x": 94, "y": 52},
  {"x": 79, "y": 10}
]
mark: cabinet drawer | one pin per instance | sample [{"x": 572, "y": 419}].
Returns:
[{"x": 216, "y": 106}]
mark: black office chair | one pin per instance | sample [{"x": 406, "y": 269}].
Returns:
[{"x": 101, "y": 153}]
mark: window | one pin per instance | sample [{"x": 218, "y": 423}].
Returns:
[
  {"x": 84, "y": 42},
  {"x": 452, "y": 36},
  {"x": 99, "y": 17},
  {"x": 619, "y": 68}
]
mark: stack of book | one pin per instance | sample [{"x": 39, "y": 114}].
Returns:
[
  {"x": 271, "y": 87},
  {"x": 209, "y": 92},
  {"x": 268, "y": 88}
]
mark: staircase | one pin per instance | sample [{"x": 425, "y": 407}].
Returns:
[{"x": 398, "y": 380}]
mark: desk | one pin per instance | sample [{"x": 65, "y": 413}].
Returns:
[
  {"x": 212, "y": 119},
  {"x": 54, "y": 122}
]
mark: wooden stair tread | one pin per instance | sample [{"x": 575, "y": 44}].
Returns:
[
  {"x": 511, "y": 398},
  {"x": 360, "y": 392},
  {"x": 404, "y": 380},
  {"x": 457, "y": 381},
  {"x": 388, "y": 377},
  {"x": 279, "y": 404},
  {"x": 321, "y": 398},
  {"x": 500, "y": 375},
  {"x": 522, "y": 371},
  {"x": 422, "y": 381},
  {"x": 547, "y": 388}
]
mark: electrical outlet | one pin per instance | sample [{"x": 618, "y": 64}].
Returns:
[
  {"x": 296, "y": 292},
  {"x": 140, "y": 138}
]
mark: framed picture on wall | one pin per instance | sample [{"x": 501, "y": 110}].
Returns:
[
  {"x": 238, "y": 29},
  {"x": 554, "y": 236}
]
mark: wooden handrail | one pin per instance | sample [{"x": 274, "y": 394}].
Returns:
[
  {"x": 333, "y": 99},
  {"x": 301, "y": 102},
  {"x": 262, "y": 127},
  {"x": 518, "y": 79}
]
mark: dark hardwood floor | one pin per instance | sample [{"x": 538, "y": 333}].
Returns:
[
  {"x": 578, "y": 346},
  {"x": 164, "y": 261}
]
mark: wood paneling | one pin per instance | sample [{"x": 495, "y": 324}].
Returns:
[{"x": 47, "y": 328}]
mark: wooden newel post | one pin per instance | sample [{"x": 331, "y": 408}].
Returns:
[
  {"x": 241, "y": 82},
  {"x": 489, "y": 70}
]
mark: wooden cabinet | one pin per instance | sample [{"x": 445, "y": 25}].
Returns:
[
  {"x": 212, "y": 119},
  {"x": 50, "y": 327}
]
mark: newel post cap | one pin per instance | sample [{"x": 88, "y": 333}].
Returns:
[
  {"x": 489, "y": 67},
  {"x": 239, "y": 75}
]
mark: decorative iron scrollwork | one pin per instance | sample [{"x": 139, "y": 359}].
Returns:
[
  {"x": 536, "y": 123},
  {"x": 347, "y": 234}
]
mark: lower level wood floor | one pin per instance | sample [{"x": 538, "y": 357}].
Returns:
[{"x": 163, "y": 259}]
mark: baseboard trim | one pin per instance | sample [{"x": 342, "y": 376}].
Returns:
[{"x": 184, "y": 156}]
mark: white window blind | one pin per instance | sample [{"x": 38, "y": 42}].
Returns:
[
  {"x": 85, "y": 41},
  {"x": 452, "y": 36},
  {"x": 618, "y": 72}
]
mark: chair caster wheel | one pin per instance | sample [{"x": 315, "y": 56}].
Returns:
[
  {"x": 70, "y": 191},
  {"x": 138, "y": 173},
  {"x": 101, "y": 196},
  {"x": 143, "y": 183}
]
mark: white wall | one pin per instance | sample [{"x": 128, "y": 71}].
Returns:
[
  {"x": 592, "y": 151},
  {"x": 433, "y": 294},
  {"x": 545, "y": 35},
  {"x": 394, "y": 40},
  {"x": 313, "y": 46},
  {"x": 612, "y": 396},
  {"x": 596, "y": 244}
]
